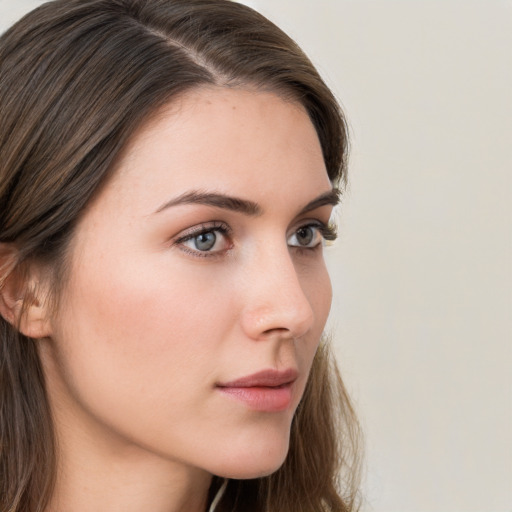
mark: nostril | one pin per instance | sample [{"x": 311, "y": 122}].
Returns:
[{"x": 281, "y": 331}]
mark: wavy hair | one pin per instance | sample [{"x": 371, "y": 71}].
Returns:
[{"x": 77, "y": 79}]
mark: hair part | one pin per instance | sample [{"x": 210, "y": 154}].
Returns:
[{"x": 78, "y": 78}]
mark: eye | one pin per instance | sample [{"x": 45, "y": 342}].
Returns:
[
  {"x": 311, "y": 236},
  {"x": 205, "y": 240}
]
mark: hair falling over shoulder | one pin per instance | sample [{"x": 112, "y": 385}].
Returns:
[{"x": 78, "y": 78}]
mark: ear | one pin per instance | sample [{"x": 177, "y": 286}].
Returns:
[{"x": 23, "y": 301}]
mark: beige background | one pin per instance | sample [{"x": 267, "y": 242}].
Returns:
[{"x": 422, "y": 273}]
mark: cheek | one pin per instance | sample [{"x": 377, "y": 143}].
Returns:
[
  {"x": 133, "y": 340},
  {"x": 144, "y": 313},
  {"x": 318, "y": 289}
]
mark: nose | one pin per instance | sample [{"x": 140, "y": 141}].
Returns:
[{"x": 275, "y": 301}]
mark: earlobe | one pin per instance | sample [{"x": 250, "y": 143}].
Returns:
[
  {"x": 32, "y": 319},
  {"x": 21, "y": 302}
]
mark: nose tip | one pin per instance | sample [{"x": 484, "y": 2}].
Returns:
[
  {"x": 278, "y": 307},
  {"x": 284, "y": 320},
  {"x": 294, "y": 322}
]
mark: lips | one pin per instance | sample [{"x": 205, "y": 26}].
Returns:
[{"x": 266, "y": 391}]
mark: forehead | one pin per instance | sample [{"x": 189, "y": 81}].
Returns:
[{"x": 228, "y": 140}]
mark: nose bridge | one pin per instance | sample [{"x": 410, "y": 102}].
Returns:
[{"x": 275, "y": 300}]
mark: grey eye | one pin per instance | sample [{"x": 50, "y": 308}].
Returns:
[
  {"x": 205, "y": 241},
  {"x": 306, "y": 236}
]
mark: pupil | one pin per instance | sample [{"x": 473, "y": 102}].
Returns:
[
  {"x": 205, "y": 241},
  {"x": 305, "y": 236}
]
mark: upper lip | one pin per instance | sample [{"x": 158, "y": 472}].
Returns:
[{"x": 265, "y": 378}]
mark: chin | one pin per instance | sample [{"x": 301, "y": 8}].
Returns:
[
  {"x": 250, "y": 471},
  {"x": 255, "y": 462}
]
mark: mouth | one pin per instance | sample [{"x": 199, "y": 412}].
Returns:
[{"x": 265, "y": 391}]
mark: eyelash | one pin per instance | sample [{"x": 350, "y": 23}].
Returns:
[{"x": 327, "y": 231}]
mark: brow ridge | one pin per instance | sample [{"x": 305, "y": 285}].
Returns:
[
  {"x": 332, "y": 197},
  {"x": 245, "y": 206},
  {"x": 214, "y": 199}
]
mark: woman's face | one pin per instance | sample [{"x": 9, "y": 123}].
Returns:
[{"x": 197, "y": 291}]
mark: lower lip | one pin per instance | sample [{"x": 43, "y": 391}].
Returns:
[{"x": 266, "y": 399}]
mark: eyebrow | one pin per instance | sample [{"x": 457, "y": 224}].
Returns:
[
  {"x": 331, "y": 197},
  {"x": 214, "y": 199},
  {"x": 236, "y": 204}
]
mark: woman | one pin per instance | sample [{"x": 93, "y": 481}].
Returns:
[{"x": 168, "y": 170}]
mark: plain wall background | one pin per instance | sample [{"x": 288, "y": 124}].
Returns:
[{"x": 422, "y": 273}]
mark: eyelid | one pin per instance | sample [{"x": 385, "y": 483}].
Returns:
[
  {"x": 201, "y": 228},
  {"x": 323, "y": 218}
]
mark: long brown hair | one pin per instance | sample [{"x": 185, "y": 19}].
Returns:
[{"x": 77, "y": 78}]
